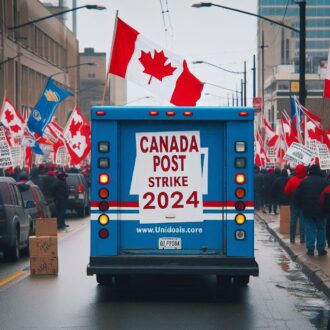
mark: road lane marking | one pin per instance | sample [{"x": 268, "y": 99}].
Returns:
[{"x": 11, "y": 278}]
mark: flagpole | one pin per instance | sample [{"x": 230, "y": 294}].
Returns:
[{"x": 106, "y": 79}]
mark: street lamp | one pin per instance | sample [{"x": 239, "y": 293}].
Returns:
[
  {"x": 216, "y": 66},
  {"x": 72, "y": 66},
  {"x": 56, "y": 14},
  {"x": 230, "y": 71},
  {"x": 301, "y": 31}
]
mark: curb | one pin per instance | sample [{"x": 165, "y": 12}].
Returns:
[{"x": 313, "y": 272}]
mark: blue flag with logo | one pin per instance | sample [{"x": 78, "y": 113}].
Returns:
[{"x": 44, "y": 110}]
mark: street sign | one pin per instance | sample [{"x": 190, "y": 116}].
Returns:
[{"x": 257, "y": 103}]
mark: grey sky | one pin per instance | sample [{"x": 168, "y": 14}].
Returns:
[{"x": 212, "y": 34}]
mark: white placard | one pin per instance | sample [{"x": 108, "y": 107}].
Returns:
[
  {"x": 5, "y": 156},
  {"x": 299, "y": 154},
  {"x": 168, "y": 176},
  {"x": 17, "y": 155},
  {"x": 61, "y": 157},
  {"x": 324, "y": 156}
]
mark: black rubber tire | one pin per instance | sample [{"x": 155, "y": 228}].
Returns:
[
  {"x": 223, "y": 281},
  {"x": 104, "y": 279},
  {"x": 242, "y": 280},
  {"x": 122, "y": 280},
  {"x": 12, "y": 253},
  {"x": 81, "y": 212}
]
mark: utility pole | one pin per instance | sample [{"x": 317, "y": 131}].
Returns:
[
  {"x": 254, "y": 75},
  {"x": 242, "y": 92},
  {"x": 302, "y": 52},
  {"x": 245, "y": 83},
  {"x": 263, "y": 70}
]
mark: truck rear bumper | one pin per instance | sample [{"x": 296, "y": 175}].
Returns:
[{"x": 198, "y": 265}]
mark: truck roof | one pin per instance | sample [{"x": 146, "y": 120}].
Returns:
[{"x": 173, "y": 113}]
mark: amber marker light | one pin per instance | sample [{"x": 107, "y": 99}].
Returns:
[
  {"x": 153, "y": 113},
  {"x": 240, "y": 178},
  {"x": 103, "y": 219},
  {"x": 104, "y": 178},
  {"x": 240, "y": 219}
]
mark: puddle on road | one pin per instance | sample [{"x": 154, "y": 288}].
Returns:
[{"x": 311, "y": 302}]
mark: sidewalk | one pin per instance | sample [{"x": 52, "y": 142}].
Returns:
[{"x": 316, "y": 268}]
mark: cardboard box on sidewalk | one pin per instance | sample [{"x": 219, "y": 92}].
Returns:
[
  {"x": 43, "y": 246},
  {"x": 43, "y": 265},
  {"x": 46, "y": 227},
  {"x": 285, "y": 220}
]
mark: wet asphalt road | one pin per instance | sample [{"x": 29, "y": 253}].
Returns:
[{"x": 280, "y": 298}]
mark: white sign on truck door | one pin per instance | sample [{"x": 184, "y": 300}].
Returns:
[{"x": 168, "y": 176}]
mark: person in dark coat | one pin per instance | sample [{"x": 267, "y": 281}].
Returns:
[
  {"x": 325, "y": 203},
  {"x": 49, "y": 181},
  {"x": 61, "y": 195},
  {"x": 35, "y": 178},
  {"x": 264, "y": 177},
  {"x": 300, "y": 173},
  {"x": 258, "y": 183},
  {"x": 307, "y": 198},
  {"x": 278, "y": 188},
  {"x": 272, "y": 202}
]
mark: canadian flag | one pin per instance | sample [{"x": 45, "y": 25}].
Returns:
[
  {"x": 77, "y": 136},
  {"x": 326, "y": 92},
  {"x": 11, "y": 119},
  {"x": 270, "y": 136},
  {"x": 288, "y": 129},
  {"x": 163, "y": 73}
]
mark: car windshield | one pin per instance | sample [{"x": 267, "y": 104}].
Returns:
[{"x": 72, "y": 179}]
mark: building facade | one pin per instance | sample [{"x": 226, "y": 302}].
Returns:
[
  {"x": 278, "y": 56},
  {"x": 96, "y": 87},
  {"x": 31, "y": 54}
]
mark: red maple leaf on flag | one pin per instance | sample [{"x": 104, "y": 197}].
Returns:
[
  {"x": 74, "y": 127},
  {"x": 9, "y": 116},
  {"x": 76, "y": 146},
  {"x": 15, "y": 128},
  {"x": 155, "y": 66}
]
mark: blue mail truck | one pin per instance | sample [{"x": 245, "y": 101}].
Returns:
[{"x": 172, "y": 192}]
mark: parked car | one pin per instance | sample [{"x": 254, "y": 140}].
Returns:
[
  {"x": 16, "y": 224},
  {"x": 78, "y": 193},
  {"x": 31, "y": 192}
]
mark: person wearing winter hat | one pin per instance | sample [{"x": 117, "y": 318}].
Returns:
[
  {"x": 307, "y": 198},
  {"x": 300, "y": 173},
  {"x": 61, "y": 194}
]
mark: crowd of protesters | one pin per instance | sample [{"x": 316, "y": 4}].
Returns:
[
  {"x": 51, "y": 180},
  {"x": 306, "y": 191}
]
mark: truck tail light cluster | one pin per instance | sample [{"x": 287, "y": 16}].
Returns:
[
  {"x": 240, "y": 192},
  {"x": 104, "y": 179}
]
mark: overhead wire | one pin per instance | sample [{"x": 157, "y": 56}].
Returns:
[{"x": 167, "y": 22}]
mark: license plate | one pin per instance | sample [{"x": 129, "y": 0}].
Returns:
[
  {"x": 81, "y": 196},
  {"x": 169, "y": 243},
  {"x": 71, "y": 197}
]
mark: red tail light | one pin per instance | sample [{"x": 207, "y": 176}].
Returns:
[{"x": 80, "y": 188}]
